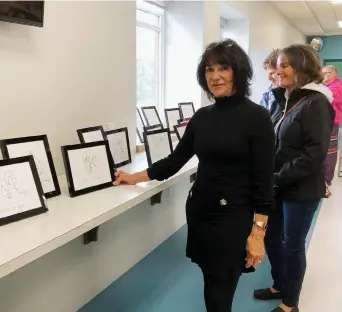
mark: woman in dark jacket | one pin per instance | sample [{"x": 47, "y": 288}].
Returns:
[
  {"x": 303, "y": 122},
  {"x": 234, "y": 142}
]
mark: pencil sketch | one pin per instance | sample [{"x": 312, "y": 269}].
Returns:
[
  {"x": 89, "y": 163},
  {"x": 40, "y": 168},
  {"x": 9, "y": 186}
]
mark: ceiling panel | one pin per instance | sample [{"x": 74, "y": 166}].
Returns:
[
  {"x": 293, "y": 9},
  {"x": 338, "y": 11},
  {"x": 311, "y": 17}
]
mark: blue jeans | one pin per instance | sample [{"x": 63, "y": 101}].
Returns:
[{"x": 285, "y": 240}]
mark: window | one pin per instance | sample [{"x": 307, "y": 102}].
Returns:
[{"x": 149, "y": 61}]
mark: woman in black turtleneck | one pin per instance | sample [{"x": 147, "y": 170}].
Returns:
[{"x": 234, "y": 142}]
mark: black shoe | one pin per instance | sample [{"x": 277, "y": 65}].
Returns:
[
  {"x": 266, "y": 294},
  {"x": 279, "y": 309}
]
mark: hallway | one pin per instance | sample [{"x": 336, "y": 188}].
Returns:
[{"x": 165, "y": 281}]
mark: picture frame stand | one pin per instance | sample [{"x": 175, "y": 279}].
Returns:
[
  {"x": 91, "y": 236},
  {"x": 156, "y": 199},
  {"x": 193, "y": 177}
]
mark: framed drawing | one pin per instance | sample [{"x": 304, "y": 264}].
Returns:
[
  {"x": 180, "y": 129},
  {"x": 172, "y": 115},
  {"x": 88, "y": 167},
  {"x": 158, "y": 145},
  {"x": 140, "y": 127},
  {"x": 151, "y": 115},
  {"x": 21, "y": 193},
  {"x": 37, "y": 146},
  {"x": 187, "y": 109},
  {"x": 140, "y": 137},
  {"x": 119, "y": 146},
  {"x": 153, "y": 128},
  {"x": 91, "y": 134}
]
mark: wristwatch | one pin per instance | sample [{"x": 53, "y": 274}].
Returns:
[{"x": 261, "y": 225}]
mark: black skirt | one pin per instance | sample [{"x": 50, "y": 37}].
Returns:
[{"x": 217, "y": 232}]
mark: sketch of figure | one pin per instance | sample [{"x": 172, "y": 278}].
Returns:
[
  {"x": 9, "y": 186},
  {"x": 90, "y": 163},
  {"x": 41, "y": 172}
]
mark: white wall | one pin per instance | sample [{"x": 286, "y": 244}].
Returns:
[
  {"x": 184, "y": 33},
  {"x": 69, "y": 277},
  {"x": 268, "y": 30},
  {"x": 190, "y": 26},
  {"x": 238, "y": 30},
  {"x": 76, "y": 71}
]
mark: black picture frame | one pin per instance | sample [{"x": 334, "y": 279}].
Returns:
[
  {"x": 140, "y": 128},
  {"x": 144, "y": 109},
  {"x": 183, "y": 104},
  {"x": 80, "y": 132},
  {"x": 167, "y": 119},
  {"x": 68, "y": 170},
  {"x": 140, "y": 136},
  {"x": 152, "y": 128},
  {"x": 32, "y": 212},
  {"x": 147, "y": 145},
  {"x": 129, "y": 158},
  {"x": 5, "y": 145},
  {"x": 177, "y": 127}
]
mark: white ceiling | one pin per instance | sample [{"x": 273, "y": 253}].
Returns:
[{"x": 312, "y": 17}]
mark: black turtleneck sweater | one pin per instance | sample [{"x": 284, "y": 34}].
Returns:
[{"x": 234, "y": 142}]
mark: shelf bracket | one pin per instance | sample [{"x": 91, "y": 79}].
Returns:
[{"x": 91, "y": 236}]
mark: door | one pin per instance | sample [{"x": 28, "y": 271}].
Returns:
[{"x": 337, "y": 64}]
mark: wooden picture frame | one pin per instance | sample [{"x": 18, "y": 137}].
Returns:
[
  {"x": 172, "y": 115},
  {"x": 158, "y": 144},
  {"x": 21, "y": 191},
  {"x": 118, "y": 140},
  {"x": 88, "y": 167},
  {"x": 91, "y": 134},
  {"x": 187, "y": 109},
  {"x": 37, "y": 146},
  {"x": 151, "y": 115}
]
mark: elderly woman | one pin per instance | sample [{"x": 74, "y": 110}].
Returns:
[
  {"x": 270, "y": 66},
  {"x": 303, "y": 122},
  {"x": 228, "y": 204}
]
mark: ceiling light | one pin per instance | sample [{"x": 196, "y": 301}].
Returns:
[
  {"x": 339, "y": 24},
  {"x": 336, "y": 1}
]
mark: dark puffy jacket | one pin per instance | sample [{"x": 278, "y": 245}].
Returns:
[{"x": 302, "y": 141}]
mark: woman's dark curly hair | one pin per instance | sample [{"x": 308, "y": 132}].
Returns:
[
  {"x": 306, "y": 63},
  {"x": 228, "y": 53}
]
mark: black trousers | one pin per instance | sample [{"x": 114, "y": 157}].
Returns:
[{"x": 219, "y": 290}]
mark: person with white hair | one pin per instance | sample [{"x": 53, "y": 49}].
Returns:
[{"x": 332, "y": 81}]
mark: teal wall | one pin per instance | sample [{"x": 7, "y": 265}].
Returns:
[{"x": 332, "y": 48}]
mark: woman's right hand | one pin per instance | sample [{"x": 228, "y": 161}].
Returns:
[{"x": 121, "y": 177}]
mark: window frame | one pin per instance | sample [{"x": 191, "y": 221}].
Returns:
[{"x": 160, "y": 12}]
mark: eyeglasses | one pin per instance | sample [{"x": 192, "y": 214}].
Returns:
[{"x": 226, "y": 43}]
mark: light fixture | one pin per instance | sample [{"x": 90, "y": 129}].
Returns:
[
  {"x": 336, "y": 1},
  {"x": 339, "y": 24}
]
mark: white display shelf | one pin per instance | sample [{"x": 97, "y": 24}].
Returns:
[{"x": 68, "y": 218}]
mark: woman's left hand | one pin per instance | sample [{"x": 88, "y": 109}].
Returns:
[{"x": 255, "y": 247}]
